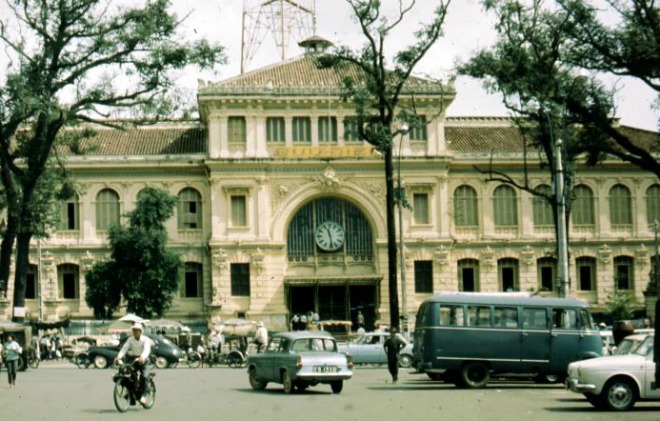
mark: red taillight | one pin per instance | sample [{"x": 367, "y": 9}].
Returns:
[
  {"x": 299, "y": 363},
  {"x": 349, "y": 361}
]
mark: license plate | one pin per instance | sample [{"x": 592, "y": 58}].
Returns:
[{"x": 325, "y": 369}]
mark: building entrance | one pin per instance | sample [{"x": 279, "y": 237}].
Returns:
[{"x": 337, "y": 301}]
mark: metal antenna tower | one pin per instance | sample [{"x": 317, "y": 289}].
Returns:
[{"x": 283, "y": 20}]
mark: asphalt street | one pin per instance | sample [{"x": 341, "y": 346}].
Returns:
[{"x": 60, "y": 391}]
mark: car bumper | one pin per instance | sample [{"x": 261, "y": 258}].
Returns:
[
  {"x": 323, "y": 377},
  {"x": 575, "y": 385}
]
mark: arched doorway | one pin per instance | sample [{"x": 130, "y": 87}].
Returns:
[{"x": 331, "y": 265}]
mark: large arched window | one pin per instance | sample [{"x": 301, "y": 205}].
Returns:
[
  {"x": 541, "y": 207},
  {"x": 653, "y": 204},
  {"x": 505, "y": 209},
  {"x": 192, "y": 280},
  {"x": 466, "y": 213},
  {"x": 107, "y": 209},
  {"x": 67, "y": 279},
  {"x": 585, "y": 267},
  {"x": 189, "y": 215},
  {"x": 624, "y": 274},
  {"x": 468, "y": 275},
  {"x": 302, "y": 235},
  {"x": 508, "y": 273},
  {"x": 69, "y": 214},
  {"x": 620, "y": 205},
  {"x": 582, "y": 208},
  {"x": 547, "y": 267}
]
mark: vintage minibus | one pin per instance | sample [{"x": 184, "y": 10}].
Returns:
[{"x": 463, "y": 338}]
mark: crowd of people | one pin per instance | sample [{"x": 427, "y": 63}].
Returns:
[
  {"x": 305, "y": 321},
  {"x": 51, "y": 347}
]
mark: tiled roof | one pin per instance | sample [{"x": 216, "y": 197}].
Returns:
[
  {"x": 302, "y": 76},
  {"x": 484, "y": 139},
  {"x": 161, "y": 139}
]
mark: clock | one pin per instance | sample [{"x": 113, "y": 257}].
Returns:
[{"x": 330, "y": 236}]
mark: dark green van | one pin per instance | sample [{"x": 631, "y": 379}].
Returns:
[{"x": 463, "y": 338}]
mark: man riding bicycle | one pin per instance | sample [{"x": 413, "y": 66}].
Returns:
[{"x": 138, "y": 346}]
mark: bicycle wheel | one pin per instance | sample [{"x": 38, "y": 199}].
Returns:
[
  {"x": 194, "y": 359},
  {"x": 121, "y": 396},
  {"x": 82, "y": 361},
  {"x": 151, "y": 394},
  {"x": 34, "y": 362}
]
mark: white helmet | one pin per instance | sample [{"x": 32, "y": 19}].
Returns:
[{"x": 137, "y": 326}]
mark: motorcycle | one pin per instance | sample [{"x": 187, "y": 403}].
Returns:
[{"x": 127, "y": 387}]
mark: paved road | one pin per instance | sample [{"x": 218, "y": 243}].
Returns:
[{"x": 60, "y": 391}]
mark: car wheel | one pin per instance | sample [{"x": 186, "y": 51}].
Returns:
[
  {"x": 475, "y": 374},
  {"x": 255, "y": 382},
  {"x": 337, "y": 386},
  {"x": 82, "y": 360},
  {"x": 619, "y": 394},
  {"x": 161, "y": 362},
  {"x": 405, "y": 361},
  {"x": 287, "y": 383},
  {"x": 100, "y": 362}
]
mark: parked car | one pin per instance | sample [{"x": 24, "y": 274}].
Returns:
[
  {"x": 300, "y": 360},
  {"x": 164, "y": 352},
  {"x": 368, "y": 349},
  {"x": 630, "y": 343},
  {"x": 616, "y": 382}
]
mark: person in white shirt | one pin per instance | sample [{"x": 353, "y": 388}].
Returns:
[
  {"x": 138, "y": 347},
  {"x": 261, "y": 337}
]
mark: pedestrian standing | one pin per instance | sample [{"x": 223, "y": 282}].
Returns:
[
  {"x": 393, "y": 345},
  {"x": 12, "y": 352},
  {"x": 360, "y": 320}
]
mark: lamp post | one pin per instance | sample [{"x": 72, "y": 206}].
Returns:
[
  {"x": 560, "y": 196},
  {"x": 562, "y": 234},
  {"x": 400, "y": 195}
]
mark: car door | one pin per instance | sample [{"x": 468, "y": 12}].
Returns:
[
  {"x": 267, "y": 361},
  {"x": 535, "y": 337},
  {"x": 374, "y": 352}
]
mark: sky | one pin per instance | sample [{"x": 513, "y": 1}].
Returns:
[{"x": 467, "y": 29}]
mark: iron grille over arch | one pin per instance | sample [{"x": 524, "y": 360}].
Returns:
[{"x": 358, "y": 245}]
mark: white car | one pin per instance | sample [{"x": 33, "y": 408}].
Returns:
[{"x": 616, "y": 382}]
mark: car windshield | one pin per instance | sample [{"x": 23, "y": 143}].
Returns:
[
  {"x": 314, "y": 345},
  {"x": 625, "y": 347},
  {"x": 646, "y": 348}
]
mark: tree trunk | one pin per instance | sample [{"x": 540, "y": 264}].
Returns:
[
  {"x": 20, "y": 277},
  {"x": 6, "y": 251},
  {"x": 391, "y": 239}
]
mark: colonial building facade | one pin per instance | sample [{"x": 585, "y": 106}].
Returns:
[{"x": 282, "y": 208}]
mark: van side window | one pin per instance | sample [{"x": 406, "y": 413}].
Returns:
[
  {"x": 451, "y": 315},
  {"x": 564, "y": 318},
  {"x": 587, "y": 321},
  {"x": 479, "y": 316},
  {"x": 506, "y": 317},
  {"x": 535, "y": 318}
]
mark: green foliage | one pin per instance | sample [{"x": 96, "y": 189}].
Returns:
[
  {"x": 69, "y": 62},
  {"x": 544, "y": 52},
  {"x": 141, "y": 269},
  {"x": 620, "y": 304}
]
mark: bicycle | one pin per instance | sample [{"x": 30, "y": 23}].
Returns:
[
  {"x": 193, "y": 359},
  {"x": 127, "y": 388}
]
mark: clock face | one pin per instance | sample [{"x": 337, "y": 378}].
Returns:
[{"x": 330, "y": 236}]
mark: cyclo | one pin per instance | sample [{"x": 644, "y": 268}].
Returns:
[{"x": 127, "y": 387}]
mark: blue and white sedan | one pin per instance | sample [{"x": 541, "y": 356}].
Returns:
[
  {"x": 298, "y": 360},
  {"x": 616, "y": 382},
  {"x": 369, "y": 349}
]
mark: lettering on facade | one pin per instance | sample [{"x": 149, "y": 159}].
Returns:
[{"x": 313, "y": 152}]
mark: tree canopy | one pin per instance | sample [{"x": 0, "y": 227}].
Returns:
[
  {"x": 376, "y": 93},
  {"x": 70, "y": 62},
  {"x": 141, "y": 270}
]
